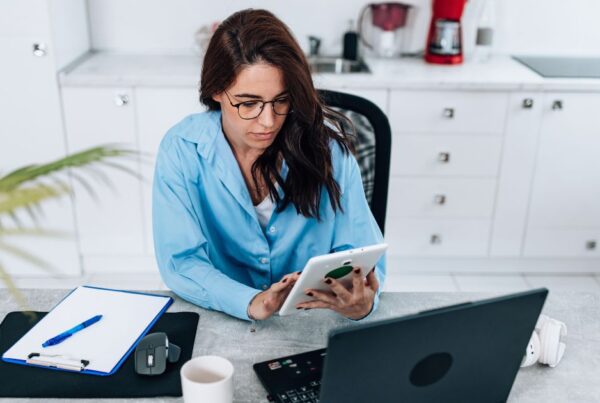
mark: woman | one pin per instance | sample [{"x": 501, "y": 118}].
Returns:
[{"x": 246, "y": 193}]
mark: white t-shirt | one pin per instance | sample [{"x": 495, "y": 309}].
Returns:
[{"x": 264, "y": 211}]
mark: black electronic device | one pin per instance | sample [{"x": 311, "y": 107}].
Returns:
[
  {"x": 469, "y": 352},
  {"x": 153, "y": 352}
]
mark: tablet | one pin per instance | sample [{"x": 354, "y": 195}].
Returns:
[{"x": 336, "y": 265}]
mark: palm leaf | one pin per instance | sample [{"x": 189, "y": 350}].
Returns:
[
  {"x": 26, "y": 188},
  {"x": 24, "y": 197},
  {"x": 85, "y": 157}
]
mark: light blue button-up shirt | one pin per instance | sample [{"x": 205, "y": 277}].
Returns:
[{"x": 210, "y": 247}]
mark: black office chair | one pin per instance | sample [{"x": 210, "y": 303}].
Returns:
[{"x": 372, "y": 145}]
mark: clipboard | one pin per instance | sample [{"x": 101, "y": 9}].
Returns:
[{"x": 99, "y": 349}]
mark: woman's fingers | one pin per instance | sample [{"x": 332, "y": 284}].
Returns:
[
  {"x": 316, "y": 305},
  {"x": 323, "y": 296},
  {"x": 287, "y": 281},
  {"x": 358, "y": 284},
  {"x": 338, "y": 289},
  {"x": 372, "y": 280}
]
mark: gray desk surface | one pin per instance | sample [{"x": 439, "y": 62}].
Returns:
[{"x": 574, "y": 380}]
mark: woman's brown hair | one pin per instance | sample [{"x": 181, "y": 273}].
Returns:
[{"x": 257, "y": 36}]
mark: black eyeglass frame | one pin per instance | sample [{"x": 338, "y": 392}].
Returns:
[{"x": 262, "y": 107}]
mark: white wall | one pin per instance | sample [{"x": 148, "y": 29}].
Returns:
[{"x": 523, "y": 26}]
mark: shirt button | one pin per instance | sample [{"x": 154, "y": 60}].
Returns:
[
  {"x": 272, "y": 230},
  {"x": 264, "y": 260}
]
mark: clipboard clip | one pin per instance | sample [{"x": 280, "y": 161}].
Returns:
[{"x": 57, "y": 361}]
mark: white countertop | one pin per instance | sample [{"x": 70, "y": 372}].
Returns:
[{"x": 500, "y": 73}]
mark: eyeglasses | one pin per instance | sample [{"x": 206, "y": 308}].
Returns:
[{"x": 248, "y": 110}]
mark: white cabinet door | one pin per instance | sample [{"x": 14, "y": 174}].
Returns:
[
  {"x": 159, "y": 109},
  {"x": 32, "y": 132},
  {"x": 110, "y": 223},
  {"x": 566, "y": 187},
  {"x": 563, "y": 243},
  {"x": 24, "y": 18},
  {"x": 564, "y": 212},
  {"x": 516, "y": 173}
]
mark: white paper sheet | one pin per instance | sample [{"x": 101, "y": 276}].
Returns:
[{"x": 125, "y": 316}]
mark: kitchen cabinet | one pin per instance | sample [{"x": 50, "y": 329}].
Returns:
[
  {"x": 446, "y": 150},
  {"x": 517, "y": 168},
  {"x": 109, "y": 220},
  {"x": 482, "y": 176},
  {"x": 37, "y": 40},
  {"x": 564, "y": 213}
]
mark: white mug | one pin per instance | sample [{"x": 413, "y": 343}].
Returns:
[{"x": 207, "y": 379}]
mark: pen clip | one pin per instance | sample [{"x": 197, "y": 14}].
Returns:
[{"x": 57, "y": 361}]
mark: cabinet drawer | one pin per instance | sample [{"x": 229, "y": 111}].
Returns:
[
  {"x": 444, "y": 198},
  {"x": 427, "y": 237},
  {"x": 445, "y": 155},
  {"x": 562, "y": 243},
  {"x": 447, "y": 111}
]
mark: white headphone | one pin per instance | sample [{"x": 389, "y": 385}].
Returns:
[{"x": 546, "y": 345}]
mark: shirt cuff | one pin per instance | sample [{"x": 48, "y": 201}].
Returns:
[{"x": 242, "y": 310}]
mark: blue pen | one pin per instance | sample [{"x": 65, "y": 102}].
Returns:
[{"x": 65, "y": 335}]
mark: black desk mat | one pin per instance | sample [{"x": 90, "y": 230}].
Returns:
[{"x": 25, "y": 381}]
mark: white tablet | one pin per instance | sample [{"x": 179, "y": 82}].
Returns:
[{"x": 336, "y": 265}]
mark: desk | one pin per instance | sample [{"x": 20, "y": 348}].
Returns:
[{"x": 574, "y": 380}]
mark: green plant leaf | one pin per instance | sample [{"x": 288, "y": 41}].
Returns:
[
  {"x": 85, "y": 157},
  {"x": 22, "y": 197}
]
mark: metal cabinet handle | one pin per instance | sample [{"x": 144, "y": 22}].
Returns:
[
  {"x": 39, "y": 49},
  {"x": 591, "y": 245},
  {"x": 557, "y": 105},
  {"x": 449, "y": 113},
  {"x": 527, "y": 103},
  {"x": 435, "y": 239},
  {"x": 444, "y": 157},
  {"x": 440, "y": 199},
  {"x": 121, "y": 99}
]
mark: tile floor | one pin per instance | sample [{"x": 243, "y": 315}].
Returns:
[{"x": 422, "y": 282}]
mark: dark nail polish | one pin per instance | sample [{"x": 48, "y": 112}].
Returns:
[
  {"x": 284, "y": 280},
  {"x": 310, "y": 294},
  {"x": 328, "y": 281},
  {"x": 307, "y": 309},
  {"x": 298, "y": 307},
  {"x": 357, "y": 271}
]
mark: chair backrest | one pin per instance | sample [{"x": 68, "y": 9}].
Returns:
[{"x": 372, "y": 145}]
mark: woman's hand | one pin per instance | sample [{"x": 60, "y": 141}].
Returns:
[
  {"x": 354, "y": 303},
  {"x": 269, "y": 301}
]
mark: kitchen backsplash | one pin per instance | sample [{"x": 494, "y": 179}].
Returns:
[{"x": 522, "y": 26}]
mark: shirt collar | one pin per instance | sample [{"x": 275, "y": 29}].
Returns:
[{"x": 203, "y": 130}]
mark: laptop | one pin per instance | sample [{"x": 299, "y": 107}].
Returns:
[{"x": 469, "y": 352}]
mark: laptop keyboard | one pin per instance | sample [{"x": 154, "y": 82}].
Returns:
[
  {"x": 292, "y": 379},
  {"x": 308, "y": 393}
]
